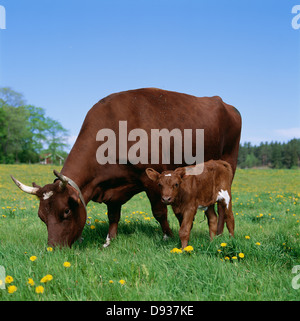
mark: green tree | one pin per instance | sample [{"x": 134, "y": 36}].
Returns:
[
  {"x": 25, "y": 131},
  {"x": 56, "y": 137}
]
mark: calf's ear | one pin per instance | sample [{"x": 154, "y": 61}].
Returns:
[
  {"x": 180, "y": 171},
  {"x": 152, "y": 174}
]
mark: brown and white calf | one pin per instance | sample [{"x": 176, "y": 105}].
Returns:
[{"x": 186, "y": 193}]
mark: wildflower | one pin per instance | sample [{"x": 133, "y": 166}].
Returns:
[
  {"x": 110, "y": 281},
  {"x": 12, "y": 289},
  {"x": 93, "y": 227},
  {"x": 9, "y": 279},
  {"x": 241, "y": 255},
  {"x": 30, "y": 281},
  {"x": 33, "y": 258},
  {"x": 188, "y": 249},
  {"x": 39, "y": 289},
  {"x": 122, "y": 282},
  {"x": 176, "y": 250},
  {"x": 49, "y": 249},
  {"x": 67, "y": 264},
  {"x": 234, "y": 257},
  {"x": 226, "y": 258},
  {"x": 257, "y": 243},
  {"x": 223, "y": 244},
  {"x": 46, "y": 278},
  {"x": 247, "y": 237}
]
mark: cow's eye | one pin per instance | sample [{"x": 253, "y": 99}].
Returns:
[
  {"x": 159, "y": 185},
  {"x": 67, "y": 212},
  {"x": 176, "y": 185}
]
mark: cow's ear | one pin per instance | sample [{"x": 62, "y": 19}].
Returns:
[
  {"x": 180, "y": 171},
  {"x": 152, "y": 174},
  {"x": 74, "y": 195}
]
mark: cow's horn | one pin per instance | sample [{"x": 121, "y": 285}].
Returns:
[
  {"x": 62, "y": 178},
  {"x": 66, "y": 180},
  {"x": 25, "y": 188}
]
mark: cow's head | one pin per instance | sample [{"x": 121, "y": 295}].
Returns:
[
  {"x": 62, "y": 209},
  {"x": 168, "y": 183}
]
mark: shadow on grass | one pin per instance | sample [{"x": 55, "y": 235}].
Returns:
[{"x": 97, "y": 236}]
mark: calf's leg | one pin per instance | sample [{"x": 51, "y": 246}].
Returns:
[
  {"x": 212, "y": 221},
  {"x": 229, "y": 219},
  {"x": 185, "y": 228}
]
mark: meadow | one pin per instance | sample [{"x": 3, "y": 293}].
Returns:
[{"x": 139, "y": 265}]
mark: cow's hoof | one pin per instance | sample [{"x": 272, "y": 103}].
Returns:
[{"x": 107, "y": 243}]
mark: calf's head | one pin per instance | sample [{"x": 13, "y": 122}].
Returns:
[
  {"x": 62, "y": 209},
  {"x": 168, "y": 183}
]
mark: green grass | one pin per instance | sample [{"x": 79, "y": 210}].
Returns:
[{"x": 266, "y": 208}]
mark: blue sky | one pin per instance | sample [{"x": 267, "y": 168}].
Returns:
[{"x": 66, "y": 55}]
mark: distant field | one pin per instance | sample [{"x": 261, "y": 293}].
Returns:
[{"x": 255, "y": 265}]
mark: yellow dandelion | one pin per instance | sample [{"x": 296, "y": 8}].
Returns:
[
  {"x": 110, "y": 281},
  {"x": 93, "y": 227},
  {"x": 241, "y": 255},
  {"x": 257, "y": 243},
  {"x": 49, "y": 249},
  {"x": 226, "y": 258},
  {"x": 33, "y": 258},
  {"x": 176, "y": 250},
  {"x": 122, "y": 282},
  {"x": 188, "y": 249},
  {"x": 223, "y": 244},
  {"x": 30, "y": 281},
  {"x": 46, "y": 278},
  {"x": 39, "y": 289},
  {"x": 12, "y": 289},
  {"x": 67, "y": 264},
  {"x": 9, "y": 279},
  {"x": 234, "y": 257},
  {"x": 247, "y": 237}
]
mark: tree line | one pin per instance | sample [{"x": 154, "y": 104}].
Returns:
[
  {"x": 26, "y": 133},
  {"x": 273, "y": 155}
]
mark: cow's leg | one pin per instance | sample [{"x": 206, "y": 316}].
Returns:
[
  {"x": 185, "y": 228},
  {"x": 113, "y": 213},
  {"x": 160, "y": 212},
  {"x": 212, "y": 221}
]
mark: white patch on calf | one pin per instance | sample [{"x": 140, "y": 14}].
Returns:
[
  {"x": 223, "y": 195},
  {"x": 47, "y": 195},
  {"x": 168, "y": 174}
]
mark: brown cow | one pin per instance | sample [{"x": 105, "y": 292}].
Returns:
[
  {"x": 187, "y": 193},
  {"x": 82, "y": 179}
]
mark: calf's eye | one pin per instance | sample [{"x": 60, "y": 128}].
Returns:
[{"x": 176, "y": 185}]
